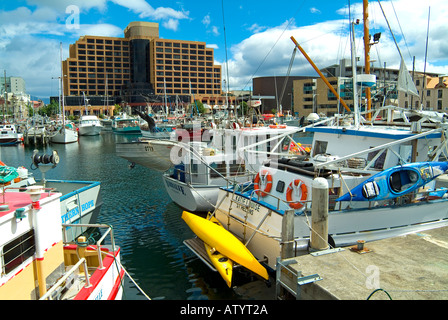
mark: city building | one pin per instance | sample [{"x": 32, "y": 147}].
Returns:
[
  {"x": 139, "y": 69},
  {"x": 14, "y": 85},
  {"x": 312, "y": 95},
  {"x": 13, "y": 98}
]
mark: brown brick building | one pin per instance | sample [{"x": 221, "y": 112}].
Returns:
[{"x": 139, "y": 68}]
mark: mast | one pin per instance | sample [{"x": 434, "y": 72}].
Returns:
[
  {"x": 62, "y": 90},
  {"x": 367, "y": 53}
]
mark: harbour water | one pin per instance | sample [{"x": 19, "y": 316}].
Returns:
[{"x": 147, "y": 224}]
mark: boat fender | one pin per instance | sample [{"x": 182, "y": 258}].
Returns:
[
  {"x": 268, "y": 178},
  {"x": 298, "y": 184}
]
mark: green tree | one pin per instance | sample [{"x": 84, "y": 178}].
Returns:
[
  {"x": 197, "y": 106},
  {"x": 50, "y": 109}
]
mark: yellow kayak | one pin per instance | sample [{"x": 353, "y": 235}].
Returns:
[
  {"x": 224, "y": 242},
  {"x": 223, "y": 264}
]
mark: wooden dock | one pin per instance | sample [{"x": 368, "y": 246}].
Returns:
[{"x": 410, "y": 267}]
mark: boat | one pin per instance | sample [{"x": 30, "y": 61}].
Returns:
[
  {"x": 223, "y": 265},
  {"x": 396, "y": 181},
  {"x": 125, "y": 124},
  {"x": 68, "y": 133},
  {"x": 9, "y": 135},
  {"x": 224, "y": 242},
  {"x": 81, "y": 201},
  {"x": 38, "y": 264},
  {"x": 347, "y": 150},
  {"x": 150, "y": 153},
  {"x": 89, "y": 125},
  {"x": 203, "y": 167}
]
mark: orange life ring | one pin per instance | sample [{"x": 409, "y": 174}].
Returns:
[
  {"x": 272, "y": 126},
  {"x": 268, "y": 184},
  {"x": 302, "y": 185}
]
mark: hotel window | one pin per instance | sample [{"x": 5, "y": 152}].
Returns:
[{"x": 17, "y": 251}]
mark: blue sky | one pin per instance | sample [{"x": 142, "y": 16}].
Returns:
[{"x": 257, "y": 33}]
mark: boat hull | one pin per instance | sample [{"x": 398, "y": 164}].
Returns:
[
  {"x": 90, "y": 130},
  {"x": 197, "y": 198},
  {"x": 65, "y": 136},
  {"x": 81, "y": 203},
  {"x": 153, "y": 154},
  {"x": 371, "y": 224}
]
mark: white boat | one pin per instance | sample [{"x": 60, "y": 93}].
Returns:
[
  {"x": 150, "y": 153},
  {"x": 81, "y": 201},
  {"x": 66, "y": 134},
  {"x": 9, "y": 134},
  {"x": 37, "y": 262},
  {"x": 194, "y": 182},
  {"x": 89, "y": 125},
  {"x": 254, "y": 211},
  {"x": 345, "y": 153}
]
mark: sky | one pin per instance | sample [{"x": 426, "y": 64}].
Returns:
[{"x": 251, "y": 38}]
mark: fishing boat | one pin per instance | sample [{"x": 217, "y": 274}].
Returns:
[
  {"x": 125, "y": 124},
  {"x": 37, "y": 263},
  {"x": 89, "y": 125},
  {"x": 346, "y": 152},
  {"x": 203, "y": 167},
  {"x": 81, "y": 201},
  {"x": 9, "y": 135}
]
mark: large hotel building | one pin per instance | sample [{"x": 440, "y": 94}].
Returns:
[{"x": 139, "y": 69}]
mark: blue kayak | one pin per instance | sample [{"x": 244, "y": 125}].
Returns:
[{"x": 396, "y": 181}]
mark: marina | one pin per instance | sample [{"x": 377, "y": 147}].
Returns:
[
  {"x": 329, "y": 187},
  {"x": 147, "y": 224}
]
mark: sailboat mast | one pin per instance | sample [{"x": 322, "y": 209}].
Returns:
[
  {"x": 62, "y": 89},
  {"x": 367, "y": 53}
]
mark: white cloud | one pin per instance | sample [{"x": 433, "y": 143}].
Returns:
[
  {"x": 145, "y": 10},
  {"x": 171, "y": 24},
  {"x": 206, "y": 20},
  {"x": 255, "y": 28},
  {"x": 315, "y": 10}
]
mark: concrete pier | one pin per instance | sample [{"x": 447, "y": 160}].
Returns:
[{"x": 411, "y": 267}]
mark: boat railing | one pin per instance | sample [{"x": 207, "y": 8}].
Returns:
[
  {"x": 3, "y": 190},
  {"x": 253, "y": 195},
  {"x": 109, "y": 231},
  {"x": 81, "y": 263}
]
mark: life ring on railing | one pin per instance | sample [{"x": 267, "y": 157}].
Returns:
[
  {"x": 272, "y": 126},
  {"x": 268, "y": 184},
  {"x": 303, "y": 188}
]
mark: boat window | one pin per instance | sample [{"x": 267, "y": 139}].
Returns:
[
  {"x": 17, "y": 251},
  {"x": 320, "y": 147}
]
